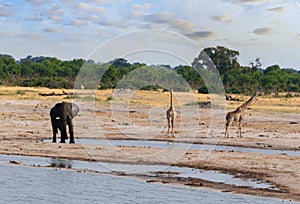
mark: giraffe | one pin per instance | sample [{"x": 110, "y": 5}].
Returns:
[
  {"x": 233, "y": 116},
  {"x": 237, "y": 115},
  {"x": 245, "y": 105},
  {"x": 171, "y": 115}
]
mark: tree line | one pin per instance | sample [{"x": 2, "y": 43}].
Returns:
[
  {"x": 38, "y": 71},
  {"x": 55, "y": 73}
]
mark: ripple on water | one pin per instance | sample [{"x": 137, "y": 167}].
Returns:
[
  {"x": 181, "y": 145},
  {"x": 150, "y": 170},
  {"x": 39, "y": 185}
]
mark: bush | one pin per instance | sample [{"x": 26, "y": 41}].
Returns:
[
  {"x": 203, "y": 90},
  {"x": 20, "y": 92},
  {"x": 289, "y": 95},
  {"x": 110, "y": 98}
]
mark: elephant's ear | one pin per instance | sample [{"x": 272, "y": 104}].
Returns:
[{"x": 75, "y": 110}]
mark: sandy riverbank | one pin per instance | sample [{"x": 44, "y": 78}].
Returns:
[{"x": 271, "y": 123}]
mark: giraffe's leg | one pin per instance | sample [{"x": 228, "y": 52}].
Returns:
[
  {"x": 172, "y": 123},
  {"x": 240, "y": 128},
  {"x": 168, "y": 126},
  {"x": 227, "y": 125},
  {"x": 226, "y": 131}
]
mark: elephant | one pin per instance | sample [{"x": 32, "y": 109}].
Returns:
[{"x": 61, "y": 116}]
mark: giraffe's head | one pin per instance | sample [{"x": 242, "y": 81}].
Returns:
[{"x": 254, "y": 97}]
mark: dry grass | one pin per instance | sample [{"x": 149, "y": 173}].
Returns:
[
  {"x": 151, "y": 98},
  {"x": 32, "y": 93},
  {"x": 270, "y": 103}
]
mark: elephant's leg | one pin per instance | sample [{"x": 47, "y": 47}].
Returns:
[
  {"x": 54, "y": 130},
  {"x": 65, "y": 129},
  {"x": 63, "y": 132},
  {"x": 71, "y": 131}
]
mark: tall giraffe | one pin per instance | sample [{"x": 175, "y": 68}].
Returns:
[
  {"x": 237, "y": 115},
  {"x": 171, "y": 115}
]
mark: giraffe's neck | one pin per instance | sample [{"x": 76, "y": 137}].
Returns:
[
  {"x": 171, "y": 99},
  {"x": 247, "y": 103},
  {"x": 237, "y": 110}
]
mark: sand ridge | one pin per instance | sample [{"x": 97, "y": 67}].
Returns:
[{"x": 25, "y": 122}]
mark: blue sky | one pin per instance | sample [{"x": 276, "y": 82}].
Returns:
[{"x": 69, "y": 29}]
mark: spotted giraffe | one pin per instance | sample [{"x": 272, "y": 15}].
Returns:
[
  {"x": 171, "y": 115},
  {"x": 237, "y": 115}
]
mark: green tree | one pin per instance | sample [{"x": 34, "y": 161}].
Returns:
[
  {"x": 191, "y": 76},
  {"x": 223, "y": 58}
]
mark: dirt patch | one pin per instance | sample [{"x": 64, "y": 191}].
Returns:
[{"x": 25, "y": 122}]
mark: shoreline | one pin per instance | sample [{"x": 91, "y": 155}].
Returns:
[
  {"x": 176, "y": 181},
  {"x": 25, "y": 122},
  {"x": 180, "y": 182},
  {"x": 66, "y": 151}
]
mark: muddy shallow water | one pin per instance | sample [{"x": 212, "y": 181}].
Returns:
[
  {"x": 25, "y": 184},
  {"x": 130, "y": 169},
  {"x": 181, "y": 145}
]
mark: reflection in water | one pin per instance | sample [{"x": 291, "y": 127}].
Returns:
[
  {"x": 38, "y": 185},
  {"x": 61, "y": 163},
  {"x": 149, "y": 170}
]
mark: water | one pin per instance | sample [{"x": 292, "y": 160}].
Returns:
[
  {"x": 180, "y": 145},
  {"x": 149, "y": 170},
  {"x": 21, "y": 184}
]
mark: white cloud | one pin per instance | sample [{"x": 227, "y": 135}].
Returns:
[
  {"x": 222, "y": 18},
  {"x": 279, "y": 9},
  {"x": 52, "y": 30},
  {"x": 113, "y": 23},
  {"x": 141, "y": 7},
  {"x": 90, "y": 18},
  {"x": 31, "y": 36},
  {"x": 201, "y": 34},
  {"x": 37, "y": 2},
  {"x": 250, "y": 2},
  {"x": 78, "y": 23},
  {"x": 263, "y": 31},
  {"x": 44, "y": 22},
  {"x": 171, "y": 21},
  {"x": 36, "y": 17},
  {"x": 76, "y": 38},
  {"x": 101, "y": 1},
  {"x": 86, "y": 7},
  {"x": 5, "y": 34},
  {"x": 6, "y": 9},
  {"x": 68, "y": 2},
  {"x": 55, "y": 13}
]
